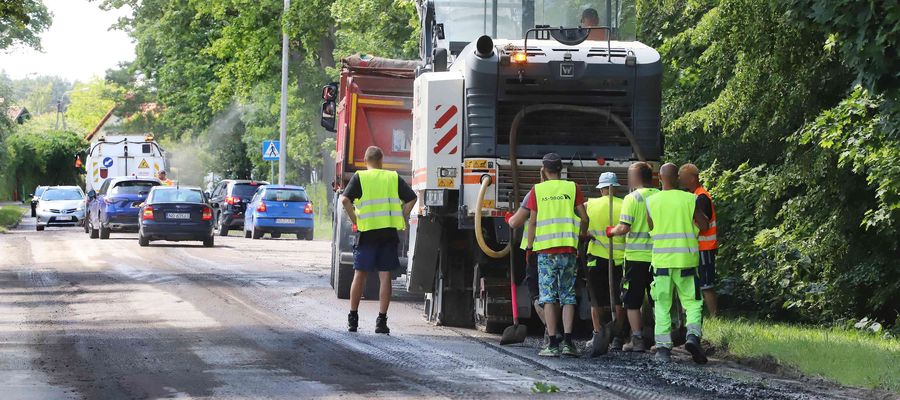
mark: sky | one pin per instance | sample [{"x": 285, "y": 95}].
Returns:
[{"x": 78, "y": 45}]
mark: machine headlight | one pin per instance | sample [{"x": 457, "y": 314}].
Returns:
[
  {"x": 435, "y": 197},
  {"x": 447, "y": 172}
]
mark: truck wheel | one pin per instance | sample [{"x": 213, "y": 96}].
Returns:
[
  {"x": 39, "y": 227},
  {"x": 104, "y": 232},
  {"x": 93, "y": 231},
  {"x": 343, "y": 278},
  {"x": 492, "y": 313}
]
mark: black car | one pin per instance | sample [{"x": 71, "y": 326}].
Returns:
[
  {"x": 229, "y": 199},
  {"x": 176, "y": 214},
  {"x": 35, "y": 197}
]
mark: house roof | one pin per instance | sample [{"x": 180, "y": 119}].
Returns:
[{"x": 16, "y": 112}]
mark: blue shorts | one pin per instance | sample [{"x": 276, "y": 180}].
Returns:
[
  {"x": 377, "y": 256},
  {"x": 556, "y": 278}
]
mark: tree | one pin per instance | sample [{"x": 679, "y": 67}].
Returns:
[
  {"x": 90, "y": 102},
  {"x": 21, "y": 23}
]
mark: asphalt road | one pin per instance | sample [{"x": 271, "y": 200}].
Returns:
[{"x": 107, "y": 319}]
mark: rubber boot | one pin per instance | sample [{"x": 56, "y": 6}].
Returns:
[
  {"x": 692, "y": 345},
  {"x": 663, "y": 355}
]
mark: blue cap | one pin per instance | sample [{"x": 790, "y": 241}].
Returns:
[{"x": 607, "y": 179}]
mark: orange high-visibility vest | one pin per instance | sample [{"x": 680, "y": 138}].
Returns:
[{"x": 707, "y": 238}]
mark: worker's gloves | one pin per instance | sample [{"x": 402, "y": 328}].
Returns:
[
  {"x": 609, "y": 232},
  {"x": 507, "y": 216}
]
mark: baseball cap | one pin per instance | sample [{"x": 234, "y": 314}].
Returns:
[
  {"x": 607, "y": 179},
  {"x": 552, "y": 161}
]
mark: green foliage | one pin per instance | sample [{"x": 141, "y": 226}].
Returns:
[
  {"x": 850, "y": 357},
  {"x": 36, "y": 154},
  {"x": 89, "y": 102},
  {"x": 802, "y": 163},
  {"x": 21, "y": 23},
  {"x": 544, "y": 387},
  {"x": 9, "y": 216}
]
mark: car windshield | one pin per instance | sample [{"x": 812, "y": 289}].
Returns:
[
  {"x": 62, "y": 194},
  {"x": 39, "y": 191},
  {"x": 466, "y": 20},
  {"x": 244, "y": 190},
  {"x": 176, "y": 196},
  {"x": 133, "y": 187},
  {"x": 286, "y": 195}
]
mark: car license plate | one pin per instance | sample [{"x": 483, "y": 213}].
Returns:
[
  {"x": 284, "y": 221},
  {"x": 65, "y": 218},
  {"x": 178, "y": 215}
]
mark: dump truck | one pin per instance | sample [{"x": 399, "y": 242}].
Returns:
[
  {"x": 502, "y": 84},
  {"x": 370, "y": 106}
]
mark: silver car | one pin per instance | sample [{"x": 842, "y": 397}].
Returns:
[{"x": 60, "y": 206}]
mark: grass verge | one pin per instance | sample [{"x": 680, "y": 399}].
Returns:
[
  {"x": 9, "y": 217},
  {"x": 851, "y": 358}
]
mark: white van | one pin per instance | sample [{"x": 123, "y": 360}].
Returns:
[{"x": 115, "y": 156}]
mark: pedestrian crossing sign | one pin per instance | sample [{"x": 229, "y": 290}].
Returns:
[{"x": 271, "y": 150}]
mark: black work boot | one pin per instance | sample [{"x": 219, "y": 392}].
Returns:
[
  {"x": 381, "y": 324},
  {"x": 663, "y": 355},
  {"x": 692, "y": 345},
  {"x": 352, "y": 321}
]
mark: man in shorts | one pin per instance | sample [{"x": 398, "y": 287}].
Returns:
[
  {"x": 557, "y": 220},
  {"x": 638, "y": 248},
  {"x": 378, "y": 203}
]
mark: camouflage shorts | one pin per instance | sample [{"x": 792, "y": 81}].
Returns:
[{"x": 556, "y": 278}]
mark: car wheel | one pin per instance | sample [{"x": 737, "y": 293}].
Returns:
[
  {"x": 104, "y": 232},
  {"x": 210, "y": 241},
  {"x": 143, "y": 240},
  {"x": 39, "y": 227},
  {"x": 84, "y": 222},
  {"x": 309, "y": 235},
  {"x": 246, "y": 234},
  {"x": 276, "y": 235},
  {"x": 256, "y": 234},
  {"x": 93, "y": 231}
]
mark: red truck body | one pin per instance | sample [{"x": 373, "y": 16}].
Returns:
[{"x": 374, "y": 109}]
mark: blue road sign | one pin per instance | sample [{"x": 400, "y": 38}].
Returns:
[
  {"x": 271, "y": 149},
  {"x": 107, "y": 162}
]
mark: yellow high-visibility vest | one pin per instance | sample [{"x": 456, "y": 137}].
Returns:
[
  {"x": 556, "y": 225},
  {"x": 674, "y": 234},
  {"x": 598, "y": 213},
  {"x": 380, "y": 205}
]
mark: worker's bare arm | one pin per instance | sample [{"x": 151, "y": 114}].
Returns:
[
  {"x": 585, "y": 220},
  {"x": 532, "y": 226},
  {"x": 621, "y": 229},
  {"x": 407, "y": 209},
  {"x": 700, "y": 219},
  {"x": 348, "y": 208},
  {"x": 518, "y": 219}
]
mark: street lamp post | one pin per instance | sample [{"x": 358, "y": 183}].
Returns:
[{"x": 282, "y": 156}]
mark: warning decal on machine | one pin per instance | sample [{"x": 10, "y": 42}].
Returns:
[{"x": 143, "y": 164}]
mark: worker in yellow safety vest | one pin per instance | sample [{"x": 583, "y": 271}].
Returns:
[
  {"x": 556, "y": 222},
  {"x": 674, "y": 220},
  {"x": 633, "y": 227},
  {"x": 601, "y": 216},
  {"x": 378, "y": 203},
  {"x": 164, "y": 180},
  {"x": 689, "y": 178},
  {"x": 518, "y": 220}
]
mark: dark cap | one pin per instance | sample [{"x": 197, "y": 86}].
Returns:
[{"x": 552, "y": 161}]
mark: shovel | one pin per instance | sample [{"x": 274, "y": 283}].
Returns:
[
  {"x": 514, "y": 333},
  {"x": 601, "y": 347}
]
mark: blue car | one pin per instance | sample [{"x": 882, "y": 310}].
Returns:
[
  {"x": 176, "y": 214},
  {"x": 116, "y": 207},
  {"x": 277, "y": 209}
]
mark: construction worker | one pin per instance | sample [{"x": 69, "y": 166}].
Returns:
[
  {"x": 557, "y": 220},
  {"x": 689, "y": 179},
  {"x": 633, "y": 226},
  {"x": 674, "y": 220},
  {"x": 382, "y": 203},
  {"x": 162, "y": 178},
  {"x": 598, "y": 210}
]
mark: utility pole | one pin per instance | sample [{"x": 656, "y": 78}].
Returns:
[{"x": 282, "y": 156}]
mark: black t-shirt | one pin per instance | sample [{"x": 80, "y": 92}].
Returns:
[
  {"x": 354, "y": 190},
  {"x": 705, "y": 205}
]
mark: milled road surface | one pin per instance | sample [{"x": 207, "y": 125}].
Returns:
[{"x": 107, "y": 319}]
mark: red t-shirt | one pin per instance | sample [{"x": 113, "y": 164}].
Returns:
[{"x": 531, "y": 204}]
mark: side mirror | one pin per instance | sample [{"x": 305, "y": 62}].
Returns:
[
  {"x": 328, "y": 116},
  {"x": 330, "y": 92},
  {"x": 206, "y": 194}
]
